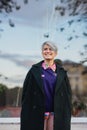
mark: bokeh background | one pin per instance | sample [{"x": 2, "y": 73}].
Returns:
[{"x": 24, "y": 26}]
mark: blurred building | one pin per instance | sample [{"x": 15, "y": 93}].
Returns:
[{"x": 77, "y": 75}]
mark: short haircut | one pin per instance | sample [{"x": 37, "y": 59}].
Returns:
[{"x": 51, "y": 44}]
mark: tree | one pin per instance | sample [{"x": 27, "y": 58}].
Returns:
[
  {"x": 73, "y": 8},
  {"x": 3, "y": 90},
  {"x": 14, "y": 97},
  {"x": 7, "y": 6},
  {"x": 76, "y": 12},
  {"x": 84, "y": 54}
]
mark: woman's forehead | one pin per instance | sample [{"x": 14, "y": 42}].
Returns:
[
  {"x": 47, "y": 45},
  {"x": 50, "y": 45}
]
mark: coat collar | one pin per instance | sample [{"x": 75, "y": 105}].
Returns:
[
  {"x": 37, "y": 74},
  {"x": 60, "y": 76}
]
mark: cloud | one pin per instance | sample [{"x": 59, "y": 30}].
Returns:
[
  {"x": 33, "y": 13},
  {"x": 14, "y": 74},
  {"x": 20, "y": 59}
]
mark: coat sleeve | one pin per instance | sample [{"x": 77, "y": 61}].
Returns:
[
  {"x": 68, "y": 91},
  {"x": 68, "y": 104},
  {"x": 26, "y": 85},
  {"x": 24, "y": 115}
]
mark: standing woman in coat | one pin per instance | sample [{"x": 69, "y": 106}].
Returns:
[{"x": 46, "y": 97}]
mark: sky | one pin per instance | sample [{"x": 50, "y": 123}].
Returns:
[{"x": 35, "y": 23}]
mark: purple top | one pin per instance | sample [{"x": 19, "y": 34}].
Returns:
[{"x": 49, "y": 81}]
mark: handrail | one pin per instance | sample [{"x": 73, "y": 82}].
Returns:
[{"x": 9, "y": 120}]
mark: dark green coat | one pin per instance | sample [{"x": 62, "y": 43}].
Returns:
[{"x": 32, "y": 113}]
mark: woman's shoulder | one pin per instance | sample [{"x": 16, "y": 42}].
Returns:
[
  {"x": 38, "y": 64},
  {"x": 58, "y": 62}
]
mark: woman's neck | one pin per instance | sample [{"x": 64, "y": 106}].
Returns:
[{"x": 49, "y": 63}]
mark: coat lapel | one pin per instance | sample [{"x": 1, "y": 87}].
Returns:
[
  {"x": 60, "y": 77},
  {"x": 37, "y": 75}
]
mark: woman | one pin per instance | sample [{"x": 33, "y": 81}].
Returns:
[{"x": 46, "y": 98}]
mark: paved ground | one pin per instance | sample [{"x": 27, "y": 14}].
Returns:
[
  {"x": 17, "y": 127},
  {"x": 79, "y": 127}
]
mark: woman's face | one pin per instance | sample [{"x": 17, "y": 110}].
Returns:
[{"x": 48, "y": 53}]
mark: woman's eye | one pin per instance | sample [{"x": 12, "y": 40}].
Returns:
[
  {"x": 45, "y": 49},
  {"x": 50, "y": 49}
]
